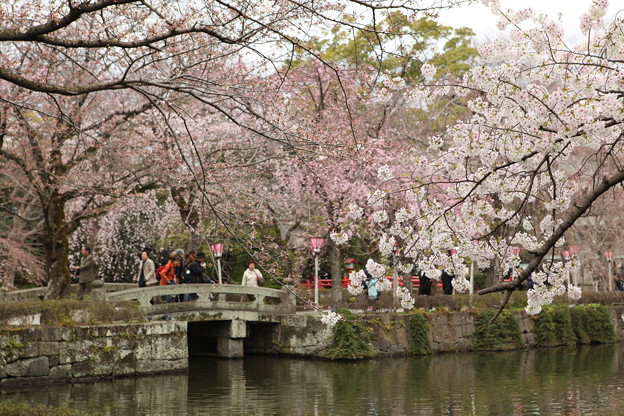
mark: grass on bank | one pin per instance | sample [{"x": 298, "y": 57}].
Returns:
[{"x": 68, "y": 312}]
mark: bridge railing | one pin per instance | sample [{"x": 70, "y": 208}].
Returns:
[
  {"x": 38, "y": 293},
  {"x": 193, "y": 297}
]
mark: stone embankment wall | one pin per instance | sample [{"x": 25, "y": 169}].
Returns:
[
  {"x": 305, "y": 335},
  {"x": 52, "y": 354}
]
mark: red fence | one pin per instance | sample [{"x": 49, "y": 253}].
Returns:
[{"x": 327, "y": 283}]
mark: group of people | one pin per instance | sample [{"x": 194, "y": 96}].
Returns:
[
  {"x": 179, "y": 268},
  {"x": 176, "y": 269}
]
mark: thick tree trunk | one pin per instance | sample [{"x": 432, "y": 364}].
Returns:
[
  {"x": 56, "y": 249},
  {"x": 335, "y": 264}
]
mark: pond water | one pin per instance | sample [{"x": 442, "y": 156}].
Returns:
[{"x": 561, "y": 381}]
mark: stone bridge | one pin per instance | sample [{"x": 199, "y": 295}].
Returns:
[{"x": 223, "y": 320}]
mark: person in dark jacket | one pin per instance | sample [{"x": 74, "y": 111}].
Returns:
[
  {"x": 194, "y": 271},
  {"x": 425, "y": 284},
  {"x": 447, "y": 282}
]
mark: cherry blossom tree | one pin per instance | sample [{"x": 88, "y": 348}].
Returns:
[
  {"x": 68, "y": 154},
  {"x": 544, "y": 136},
  {"x": 117, "y": 237},
  {"x": 20, "y": 227},
  {"x": 356, "y": 133},
  {"x": 73, "y": 74}
]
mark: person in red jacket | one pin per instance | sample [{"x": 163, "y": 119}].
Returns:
[{"x": 167, "y": 275}]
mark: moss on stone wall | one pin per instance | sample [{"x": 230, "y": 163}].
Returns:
[
  {"x": 502, "y": 334},
  {"x": 350, "y": 340},
  {"x": 562, "y": 325},
  {"x": 592, "y": 324},
  {"x": 554, "y": 327},
  {"x": 420, "y": 334}
]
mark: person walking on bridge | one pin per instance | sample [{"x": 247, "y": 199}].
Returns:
[
  {"x": 252, "y": 276},
  {"x": 86, "y": 273},
  {"x": 168, "y": 276},
  {"x": 193, "y": 270},
  {"x": 147, "y": 271}
]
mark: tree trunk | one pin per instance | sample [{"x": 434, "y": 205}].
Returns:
[
  {"x": 56, "y": 249},
  {"x": 195, "y": 242},
  {"x": 407, "y": 282},
  {"x": 492, "y": 276},
  {"x": 335, "y": 264}
]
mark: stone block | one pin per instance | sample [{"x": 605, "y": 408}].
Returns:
[
  {"x": 238, "y": 329},
  {"x": 530, "y": 339},
  {"x": 91, "y": 368},
  {"x": 160, "y": 328},
  {"x": 30, "y": 334},
  {"x": 169, "y": 347},
  {"x": 70, "y": 334},
  {"x": 54, "y": 360},
  {"x": 51, "y": 333},
  {"x": 48, "y": 348},
  {"x": 61, "y": 372},
  {"x": 73, "y": 352},
  {"x": 34, "y": 319},
  {"x": 3, "y": 364},
  {"x": 10, "y": 341},
  {"x": 30, "y": 367},
  {"x": 126, "y": 363},
  {"x": 30, "y": 349},
  {"x": 126, "y": 343},
  {"x": 161, "y": 366},
  {"x": 464, "y": 344},
  {"x": 230, "y": 347}
]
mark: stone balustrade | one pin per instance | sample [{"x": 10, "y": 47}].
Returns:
[{"x": 197, "y": 297}]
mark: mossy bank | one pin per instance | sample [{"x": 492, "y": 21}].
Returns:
[
  {"x": 369, "y": 335},
  {"x": 38, "y": 353}
]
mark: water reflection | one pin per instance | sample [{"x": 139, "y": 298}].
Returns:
[{"x": 583, "y": 381}]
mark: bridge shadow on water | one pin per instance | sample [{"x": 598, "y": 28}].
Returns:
[{"x": 205, "y": 337}]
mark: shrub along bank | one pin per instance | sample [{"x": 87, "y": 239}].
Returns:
[
  {"x": 420, "y": 332},
  {"x": 581, "y": 324}
]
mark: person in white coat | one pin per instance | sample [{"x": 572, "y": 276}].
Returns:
[
  {"x": 147, "y": 273},
  {"x": 252, "y": 276}
]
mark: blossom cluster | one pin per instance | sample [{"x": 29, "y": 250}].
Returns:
[
  {"x": 549, "y": 283},
  {"x": 384, "y": 285},
  {"x": 407, "y": 301},
  {"x": 339, "y": 238},
  {"x": 384, "y": 173},
  {"x": 375, "y": 269},
  {"x": 330, "y": 318},
  {"x": 355, "y": 286},
  {"x": 354, "y": 212}
]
